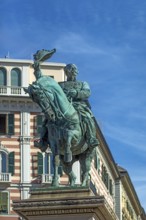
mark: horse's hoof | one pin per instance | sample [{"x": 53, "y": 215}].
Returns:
[
  {"x": 72, "y": 179},
  {"x": 67, "y": 157},
  {"x": 72, "y": 183},
  {"x": 84, "y": 184},
  {"x": 55, "y": 183}
]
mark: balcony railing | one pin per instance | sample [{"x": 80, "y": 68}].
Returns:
[
  {"x": 46, "y": 178},
  {"x": 5, "y": 177},
  {"x": 12, "y": 90}
]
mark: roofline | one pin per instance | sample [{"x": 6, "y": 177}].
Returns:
[
  {"x": 107, "y": 152},
  {"x": 6, "y": 60},
  {"x": 126, "y": 180}
]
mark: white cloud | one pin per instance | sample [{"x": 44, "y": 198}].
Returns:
[{"x": 126, "y": 135}]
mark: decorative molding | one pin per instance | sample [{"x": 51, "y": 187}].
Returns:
[
  {"x": 95, "y": 205},
  {"x": 66, "y": 202},
  {"x": 110, "y": 210},
  {"x": 58, "y": 211},
  {"x": 3, "y": 148},
  {"x": 18, "y": 105}
]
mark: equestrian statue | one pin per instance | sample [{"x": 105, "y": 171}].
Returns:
[{"x": 69, "y": 127}]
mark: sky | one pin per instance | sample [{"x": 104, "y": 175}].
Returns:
[{"x": 106, "y": 39}]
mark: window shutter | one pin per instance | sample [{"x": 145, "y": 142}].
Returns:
[
  {"x": 40, "y": 163},
  {"x": 96, "y": 161},
  {"x": 106, "y": 180},
  {"x": 103, "y": 173},
  {"x": 111, "y": 187},
  {"x": 39, "y": 120},
  {"x": 3, "y": 202},
  {"x": 11, "y": 162},
  {"x": 11, "y": 124},
  {"x": 4, "y": 167}
]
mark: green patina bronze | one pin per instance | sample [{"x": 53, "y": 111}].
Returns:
[{"x": 69, "y": 128}]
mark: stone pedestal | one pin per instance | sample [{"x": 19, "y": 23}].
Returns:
[{"x": 64, "y": 204}]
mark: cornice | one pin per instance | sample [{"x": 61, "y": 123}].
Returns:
[
  {"x": 130, "y": 190},
  {"x": 96, "y": 205},
  {"x": 20, "y": 104},
  {"x": 29, "y": 62}
]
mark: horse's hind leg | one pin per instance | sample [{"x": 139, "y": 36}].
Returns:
[
  {"x": 67, "y": 151},
  {"x": 56, "y": 162},
  {"x": 67, "y": 168},
  {"x": 85, "y": 162}
]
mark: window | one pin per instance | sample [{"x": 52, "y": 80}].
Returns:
[
  {"x": 6, "y": 124},
  {"x": 3, "y": 76},
  {"x": 15, "y": 77},
  {"x": 4, "y": 205},
  {"x": 45, "y": 163},
  {"x": 105, "y": 177},
  {"x": 7, "y": 162},
  {"x": 97, "y": 163}
]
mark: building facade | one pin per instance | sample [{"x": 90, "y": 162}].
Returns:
[{"x": 23, "y": 167}]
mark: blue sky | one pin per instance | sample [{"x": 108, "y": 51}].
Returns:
[{"x": 106, "y": 39}]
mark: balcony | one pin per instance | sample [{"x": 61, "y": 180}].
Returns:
[
  {"x": 12, "y": 91},
  {"x": 5, "y": 178},
  {"x": 46, "y": 178}
]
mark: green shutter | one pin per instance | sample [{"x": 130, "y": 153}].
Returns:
[
  {"x": 11, "y": 162},
  {"x": 40, "y": 163},
  {"x": 3, "y": 203},
  {"x": 103, "y": 173},
  {"x": 110, "y": 187},
  {"x": 96, "y": 162},
  {"x": 39, "y": 119},
  {"x": 11, "y": 124},
  {"x": 106, "y": 180}
]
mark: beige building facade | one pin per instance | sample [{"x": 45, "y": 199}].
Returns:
[{"x": 23, "y": 167}]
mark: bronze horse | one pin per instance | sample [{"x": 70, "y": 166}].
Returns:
[{"x": 64, "y": 134}]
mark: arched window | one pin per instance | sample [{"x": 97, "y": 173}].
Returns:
[
  {"x": 15, "y": 77},
  {"x": 3, "y": 76}
]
